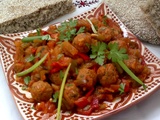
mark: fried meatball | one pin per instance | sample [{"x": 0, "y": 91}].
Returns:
[
  {"x": 105, "y": 34},
  {"x": 71, "y": 93},
  {"x": 84, "y": 23},
  {"x": 107, "y": 74},
  {"x": 55, "y": 78},
  {"x": 41, "y": 91},
  {"x": 121, "y": 43},
  {"x": 134, "y": 64},
  {"x": 82, "y": 42},
  {"x": 86, "y": 78}
]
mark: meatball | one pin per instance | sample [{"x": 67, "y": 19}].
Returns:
[
  {"x": 105, "y": 34},
  {"x": 71, "y": 93},
  {"x": 134, "y": 64},
  {"x": 55, "y": 78},
  {"x": 121, "y": 43},
  {"x": 107, "y": 74},
  {"x": 86, "y": 78},
  {"x": 41, "y": 91},
  {"x": 82, "y": 42},
  {"x": 84, "y": 23}
]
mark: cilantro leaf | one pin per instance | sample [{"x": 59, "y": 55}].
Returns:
[
  {"x": 61, "y": 74},
  {"x": 98, "y": 52},
  {"x": 55, "y": 96},
  {"x": 121, "y": 88},
  {"x": 30, "y": 58},
  {"x": 116, "y": 54},
  {"x": 59, "y": 56},
  {"x": 67, "y": 30},
  {"x": 81, "y": 30},
  {"x": 27, "y": 80},
  {"x": 38, "y": 31}
]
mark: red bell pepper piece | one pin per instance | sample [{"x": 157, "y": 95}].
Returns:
[
  {"x": 83, "y": 56},
  {"x": 82, "y": 102},
  {"x": 56, "y": 67}
]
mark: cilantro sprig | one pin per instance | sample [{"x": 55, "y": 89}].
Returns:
[
  {"x": 68, "y": 30},
  {"x": 32, "y": 57},
  {"x": 118, "y": 55},
  {"x": 55, "y": 96},
  {"x": 121, "y": 88},
  {"x": 27, "y": 79},
  {"x": 98, "y": 52}
]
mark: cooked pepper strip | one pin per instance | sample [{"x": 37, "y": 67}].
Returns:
[
  {"x": 25, "y": 72},
  {"x": 61, "y": 92}
]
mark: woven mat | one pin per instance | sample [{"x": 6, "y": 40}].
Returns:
[{"x": 130, "y": 13}]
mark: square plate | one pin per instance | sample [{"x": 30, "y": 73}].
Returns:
[{"x": 7, "y": 50}]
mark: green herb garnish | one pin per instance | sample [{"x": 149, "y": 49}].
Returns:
[
  {"x": 38, "y": 31},
  {"x": 27, "y": 80},
  {"x": 24, "y": 87},
  {"x": 76, "y": 70},
  {"x": 121, "y": 88},
  {"x": 98, "y": 52},
  {"x": 67, "y": 30},
  {"x": 61, "y": 74},
  {"x": 25, "y": 72},
  {"x": 55, "y": 96},
  {"x": 59, "y": 56},
  {"x": 61, "y": 92},
  {"x": 118, "y": 55},
  {"x": 81, "y": 30},
  {"x": 31, "y": 57},
  {"x": 104, "y": 20}
]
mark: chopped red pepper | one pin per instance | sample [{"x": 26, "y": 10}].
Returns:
[
  {"x": 82, "y": 102},
  {"x": 83, "y": 56},
  {"x": 44, "y": 32},
  {"x": 58, "y": 65}
]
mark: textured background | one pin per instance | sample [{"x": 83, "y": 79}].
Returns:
[{"x": 131, "y": 15}]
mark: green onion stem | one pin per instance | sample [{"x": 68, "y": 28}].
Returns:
[
  {"x": 130, "y": 73},
  {"x": 30, "y": 39},
  {"x": 32, "y": 67},
  {"x": 61, "y": 92}
]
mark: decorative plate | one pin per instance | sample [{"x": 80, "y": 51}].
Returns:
[{"x": 7, "y": 50}]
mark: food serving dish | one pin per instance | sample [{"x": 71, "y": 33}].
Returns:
[{"x": 22, "y": 97}]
